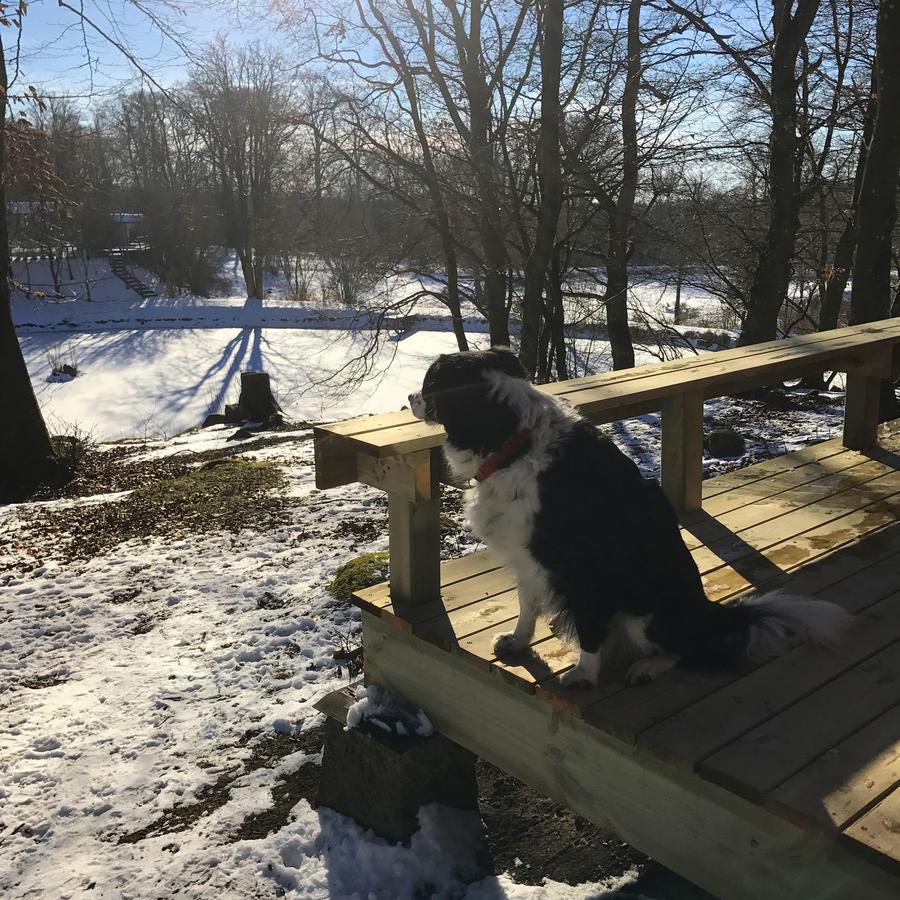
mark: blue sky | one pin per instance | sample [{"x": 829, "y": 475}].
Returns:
[{"x": 60, "y": 57}]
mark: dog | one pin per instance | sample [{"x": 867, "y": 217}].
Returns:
[{"x": 594, "y": 546}]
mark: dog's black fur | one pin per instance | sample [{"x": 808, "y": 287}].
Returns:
[{"x": 607, "y": 538}]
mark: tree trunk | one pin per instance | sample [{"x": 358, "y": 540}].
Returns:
[
  {"x": 452, "y": 264},
  {"x": 557, "y": 316},
  {"x": 489, "y": 223},
  {"x": 836, "y": 283},
  {"x": 550, "y": 181},
  {"x": 620, "y": 227},
  {"x": 771, "y": 278},
  {"x": 26, "y": 456},
  {"x": 877, "y": 212}
]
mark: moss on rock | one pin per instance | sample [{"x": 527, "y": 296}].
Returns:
[{"x": 358, "y": 573}]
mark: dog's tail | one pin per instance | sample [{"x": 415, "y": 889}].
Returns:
[{"x": 760, "y": 628}]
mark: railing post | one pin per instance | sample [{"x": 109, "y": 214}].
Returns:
[
  {"x": 681, "y": 456},
  {"x": 861, "y": 407},
  {"x": 414, "y": 532}
]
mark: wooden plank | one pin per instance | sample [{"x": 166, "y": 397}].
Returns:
[
  {"x": 773, "y": 485},
  {"x": 760, "y": 760},
  {"x": 809, "y": 347},
  {"x": 676, "y": 724},
  {"x": 879, "y": 829},
  {"x": 398, "y": 441},
  {"x": 453, "y": 596},
  {"x": 681, "y": 453},
  {"x": 335, "y": 461},
  {"x": 738, "y": 478},
  {"x": 452, "y": 572},
  {"x": 544, "y": 659},
  {"x": 723, "y": 377},
  {"x": 844, "y": 781},
  {"x": 732, "y": 547},
  {"x": 767, "y": 568},
  {"x": 477, "y": 648},
  {"x": 465, "y": 620},
  {"x": 861, "y": 408},
  {"x": 827, "y": 492},
  {"x": 723, "y": 843},
  {"x": 363, "y": 424}
]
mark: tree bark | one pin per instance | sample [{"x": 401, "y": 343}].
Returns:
[
  {"x": 771, "y": 278},
  {"x": 844, "y": 251},
  {"x": 620, "y": 227},
  {"x": 877, "y": 212},
  {"x": 551, "y": 24},
  {"x": 25, "y": 452},
  {"x": 489, "y": 223}
]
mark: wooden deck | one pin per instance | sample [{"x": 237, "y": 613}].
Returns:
[{"x": 800, "y": 756}]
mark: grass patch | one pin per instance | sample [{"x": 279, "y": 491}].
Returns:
[
  {"x": 360, "y": 572},
  {"x": 222, "y": 495},
  {"x": 218, "y": 491}
]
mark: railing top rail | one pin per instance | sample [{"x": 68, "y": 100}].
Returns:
[{"x": 872, "y": 348}]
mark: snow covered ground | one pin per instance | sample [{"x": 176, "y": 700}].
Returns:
[
  {"x": 136, "y": 682},
  {"x": 157, "y": 366}
]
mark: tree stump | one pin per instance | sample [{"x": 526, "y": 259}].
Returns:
[{"x": 256, "y": 402}]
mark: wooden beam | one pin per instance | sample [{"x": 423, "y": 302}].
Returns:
[
  {"x": 414, "y": 531},
  {"x": 861, "y": 405},
  {"x": 335, "y": 460},
  {"x": 405, "y": 476},
  {"x": 877, "y": 362},
  {"x": 681, "y": 456},
  {"x": 721, "y": 842}
]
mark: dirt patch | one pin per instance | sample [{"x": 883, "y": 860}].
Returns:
[
  {"x": 37, "y": 682},
  {"x": 221, "y": 495},
  {"x": 267, "y": 751},
  {"x": 532, "y": 837},
  {"x": 111, "y": 469}
]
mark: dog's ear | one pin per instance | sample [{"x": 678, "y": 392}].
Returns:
[{"x": 507, "y": 362}]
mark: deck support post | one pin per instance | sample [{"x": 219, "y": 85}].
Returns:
[
  {"x": 861, "y": 408},
  {"x": 382, "y": 780},
  {"x": 681, "y": 457},
  {"x": 414, "y": 534}
]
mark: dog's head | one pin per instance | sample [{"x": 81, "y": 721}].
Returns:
[{"x": 472, "y": 395}]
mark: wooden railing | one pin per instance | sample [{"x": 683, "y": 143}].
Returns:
[{"x": 401, "y": 455}]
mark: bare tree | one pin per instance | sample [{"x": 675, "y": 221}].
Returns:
[{"x": 246, "y": 110}]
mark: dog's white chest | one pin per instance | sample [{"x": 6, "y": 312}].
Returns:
[{"x": 502, "y": 513}]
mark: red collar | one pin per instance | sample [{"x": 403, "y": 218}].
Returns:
[{"x": 503, "y": 454}]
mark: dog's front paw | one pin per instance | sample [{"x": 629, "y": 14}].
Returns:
[
  {"x": 507, "y": 644},
  {"x": 577, "y": 677}
]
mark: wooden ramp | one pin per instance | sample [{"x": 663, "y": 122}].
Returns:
[{"x": 782, "y": 781}]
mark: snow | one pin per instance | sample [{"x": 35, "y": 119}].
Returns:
[
  {"x": 152, "y": 382},
  {"x": 165, "y": 670},
  {"x": 376, "y": 706}
]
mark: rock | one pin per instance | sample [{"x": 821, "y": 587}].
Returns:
[
  {"x": 240, "y": 435},
  {"x": 723, "y": 442},
  {"x": 213, "y": 419},
  {"x": 233, "y": 413}
]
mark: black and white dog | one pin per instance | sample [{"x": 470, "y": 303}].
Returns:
[{"x": 593, "y": 545}]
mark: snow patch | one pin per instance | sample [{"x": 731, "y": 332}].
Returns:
[{"x": 377, "y": 706}]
